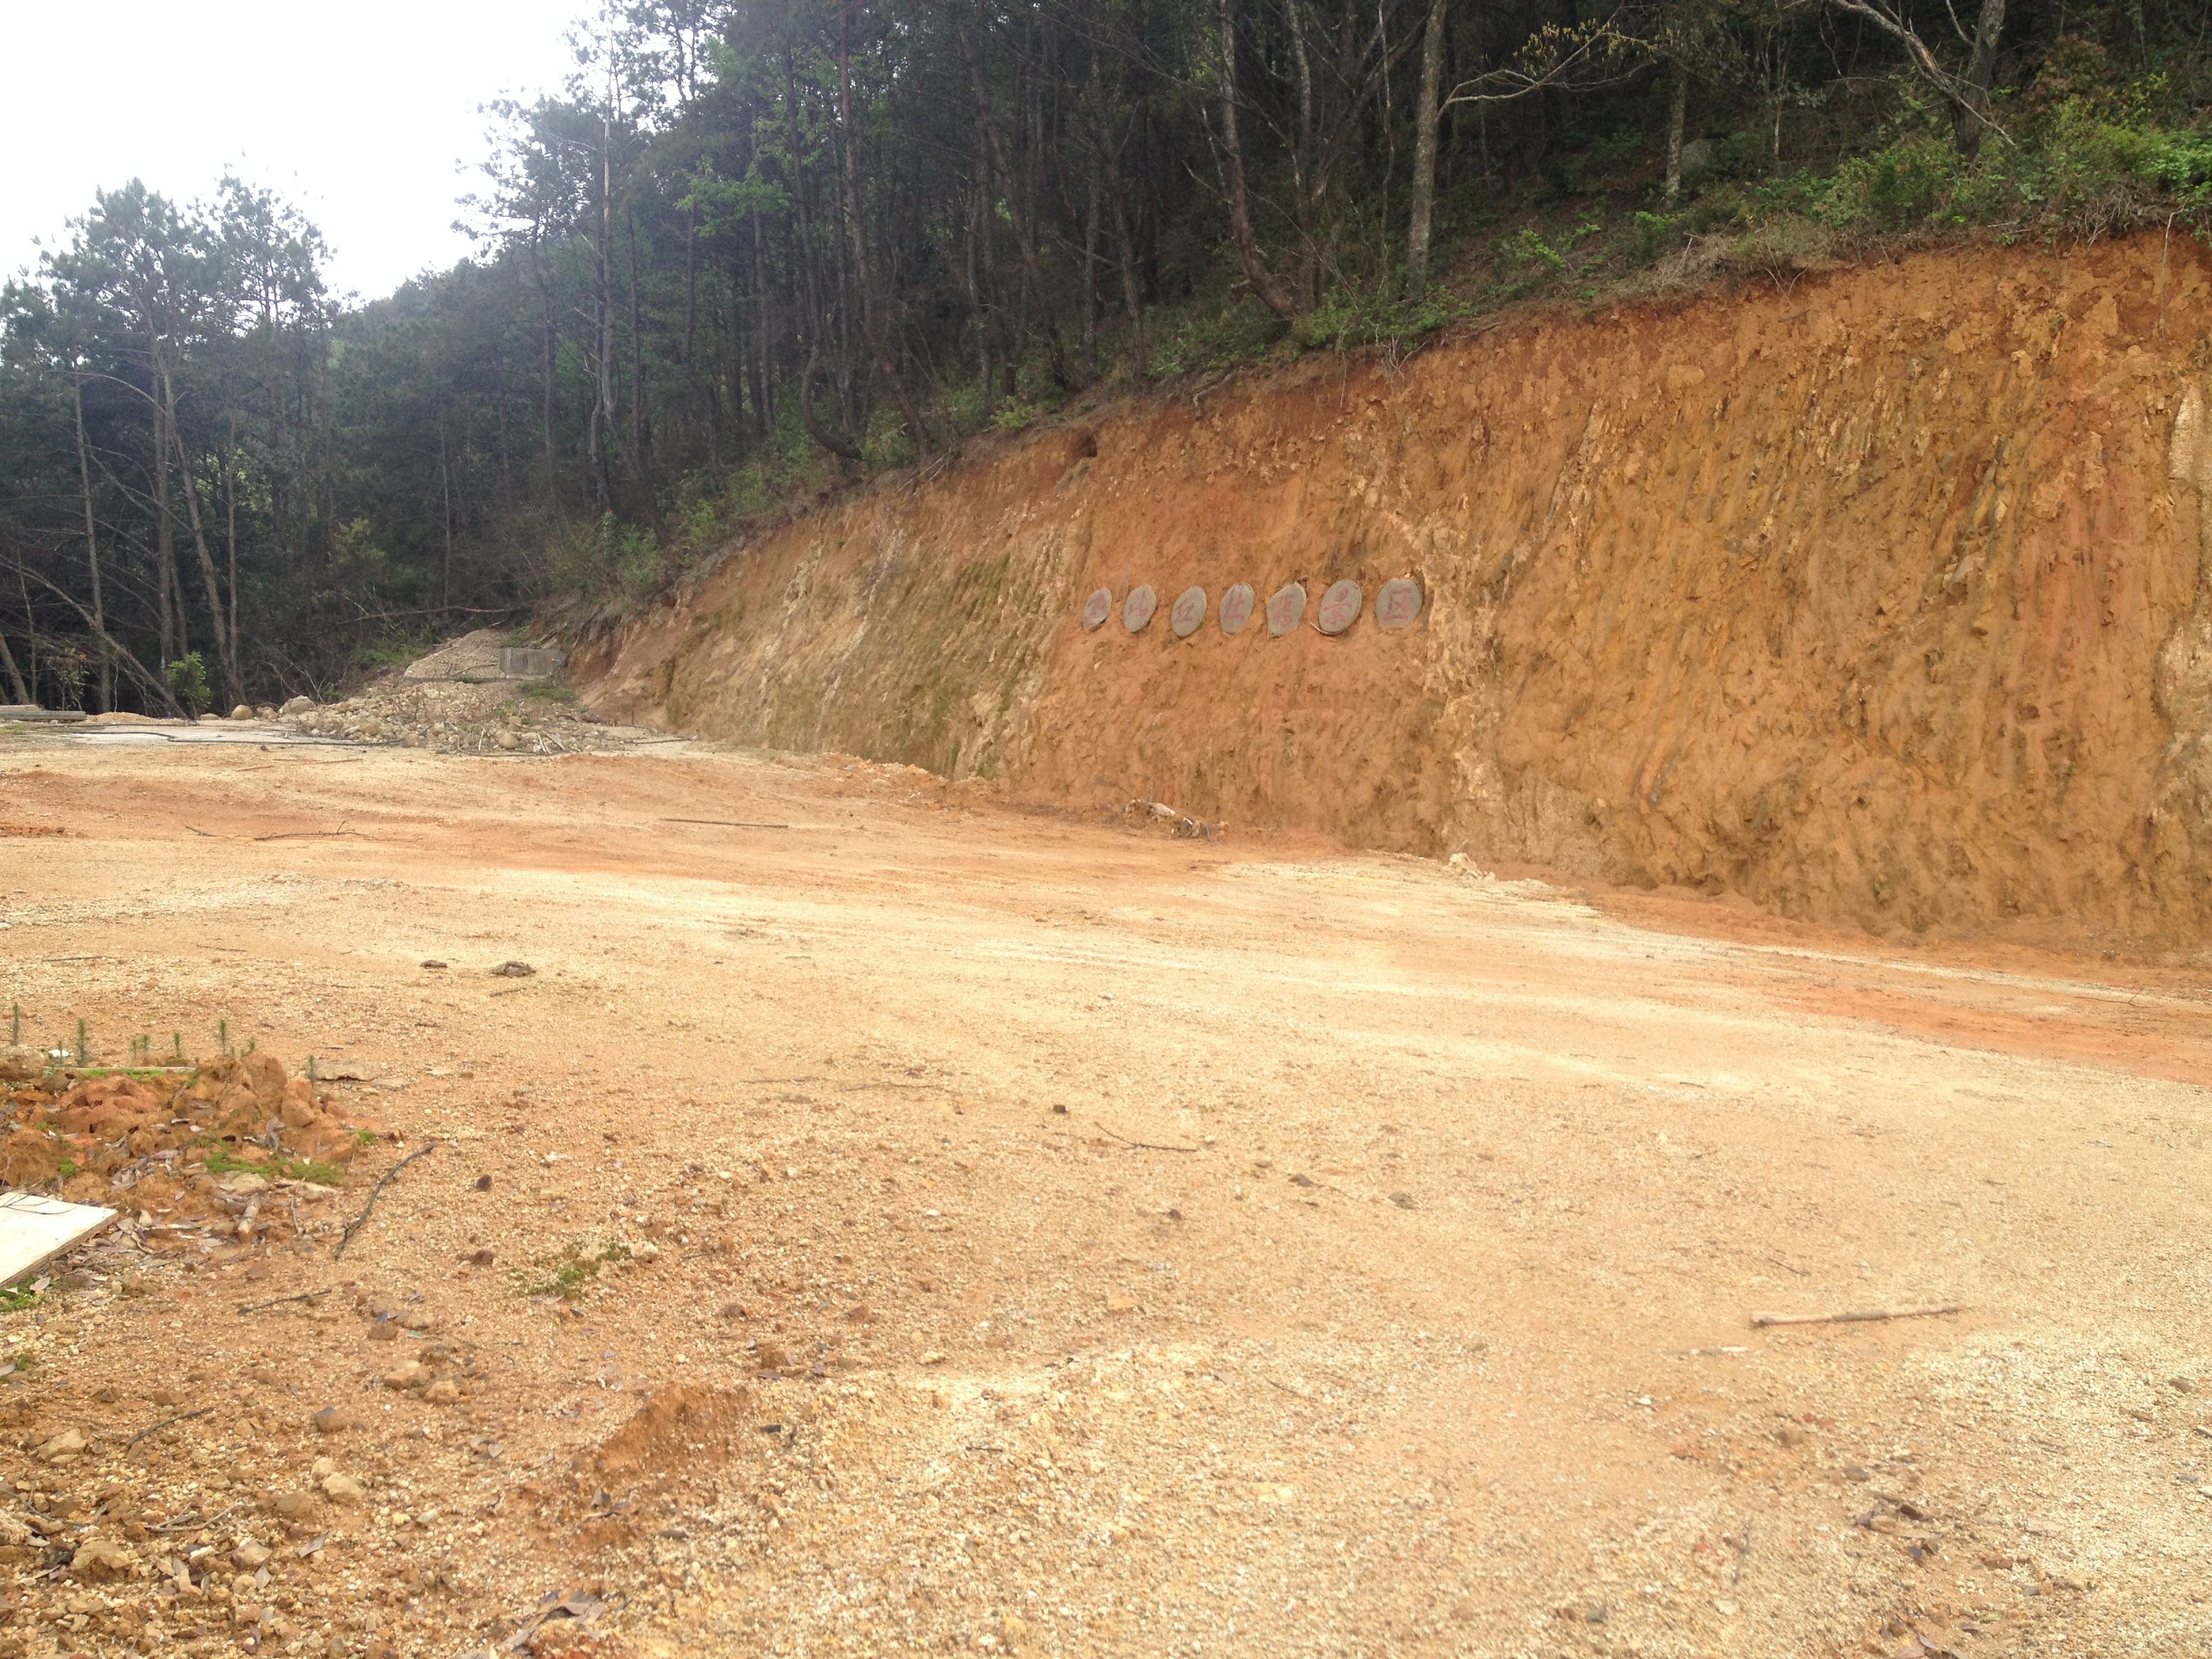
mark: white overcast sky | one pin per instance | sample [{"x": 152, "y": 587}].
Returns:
[{"x": 363, "y": 113}]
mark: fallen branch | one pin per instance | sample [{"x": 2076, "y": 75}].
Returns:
[
  {"x": 279, "y": 1301},
  {"x": 1146, "y": 1146},
  {"x": 727, "y": 824},
  {"x": 306, "y": 834},
  {"x": 167, "y": 1422},
  {"x": 375, "y": 1193},
  {"x": 197, "y": 830},
  {"x": 1864, "y": 1316}
]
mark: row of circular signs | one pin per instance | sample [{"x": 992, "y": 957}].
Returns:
[{"x": 1397, "y": 605}]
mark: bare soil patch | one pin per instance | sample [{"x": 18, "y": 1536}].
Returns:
[{"x": 798, "y": 1266}]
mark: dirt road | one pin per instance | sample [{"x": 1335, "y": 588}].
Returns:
[{"x": 1071, "y": 1240}]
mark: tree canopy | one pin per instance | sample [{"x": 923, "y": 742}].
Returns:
[{"x": 755, "y": 248}]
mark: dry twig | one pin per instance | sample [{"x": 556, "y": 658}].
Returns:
[
  {"x": 1863, "y": 1317},
  {"x": 181, "y": 1417},
  {"x": 279, "y": 1301},
  {"x": 375, "y": 1193},
  {"x": 1146, "y": 1146}
]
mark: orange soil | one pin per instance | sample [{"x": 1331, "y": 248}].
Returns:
[{"x": 1872, "y": 597}]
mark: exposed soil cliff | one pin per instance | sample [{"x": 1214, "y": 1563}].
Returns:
[{"x": 1874, "y": 597}]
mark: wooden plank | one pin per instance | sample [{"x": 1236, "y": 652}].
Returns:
[{"x": 34, "y": 1229}]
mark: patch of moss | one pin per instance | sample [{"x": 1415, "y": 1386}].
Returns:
[{"x": 567, "y": 1274}]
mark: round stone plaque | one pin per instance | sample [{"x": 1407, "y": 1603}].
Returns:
[
  {"x": 1397, "y": 603},
  {"x": 1339, "y": 607},
  {"x": 1188, "y": 611},
  {"x": 1287, "y": 608},
  {"x": 1237, "y": 607},
  {"x": 1097, "y": 609},
  {"x": 1136, "y": 609}
]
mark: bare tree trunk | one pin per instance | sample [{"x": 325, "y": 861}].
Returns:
[
  {"x": 836, "y": 443},
  {"x": 165, "y": 542},
  {"x": 177, "y": 607},
  {"x": 972, "y": 268},
  {"x": 690, "y": 281},
  {"x": 640, "y": 424},
  {"x": 1109, "y": 162},
  {"x": 505, "y": 455},
  {"x": 1678, "y": 102},
  {"x": 92, "y": 550},
  {"x": 602, "y": 330},
  {"x": 30, "y": 625},
  {"x": 550, "y": 323},
  {"x": 641, "y": 413},
  {"x": 445, "y": 494},
  {"x": 817, "y": 322},
  {"x": 8, "y": 661},
  {"x": 230, "y": 548},
  {"x": 1981, "y": 74},
  {"x": 1277, "y": 297},
  {"x": 1091, "y": 273},
  {"x": 600, "y": 433},
  {"x": 871, "y": 328},
  {"x": 1024, "y": 213},
  {"x": 763, "y": 324},
  {"x": 225, "y": 648},
  {"x": 1303, "y": 189},
  {"x": 155, "y": 686},
  {"x": 1425, "y": 152}
]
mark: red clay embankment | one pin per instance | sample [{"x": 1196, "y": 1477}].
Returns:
[{"x": 1875, "y": 597}]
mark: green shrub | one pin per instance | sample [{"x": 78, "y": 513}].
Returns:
[
  {"x": 188, "y": 684},
  {"x": 1526, "y": 248},
  {"x": 1657, "y": 234}
]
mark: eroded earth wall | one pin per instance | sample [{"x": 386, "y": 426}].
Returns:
[{"x": 1873, "y": 596}]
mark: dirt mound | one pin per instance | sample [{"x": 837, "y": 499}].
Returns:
[
  {"x": 1875, "y": 599},
  {"x": 192, "y": 1142},
  {"x": 681, "y": 1430}
]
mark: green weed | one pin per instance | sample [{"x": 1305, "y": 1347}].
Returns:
[
  {"x": 223, "y": 1161},
  {"x": 566, "y": 1275}
]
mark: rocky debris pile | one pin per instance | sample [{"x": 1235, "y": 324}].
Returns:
[
  {"x": 486, "y": 655},
  {"x": 530, "y": 717},
  {"x": 481, "y": 694},
  {"x": 232, "y": 1147},
  {"x": 1157, "y": 814}
]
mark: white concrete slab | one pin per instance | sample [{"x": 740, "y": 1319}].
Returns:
[{"x": 34, "y": 1229}]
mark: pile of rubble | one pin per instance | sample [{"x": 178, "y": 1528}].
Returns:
[
  {"x": 532, "y": 718},
  {"x": 484, "y": 693}
]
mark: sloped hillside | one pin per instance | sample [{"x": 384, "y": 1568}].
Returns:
[{"x": 1873, "y": 596}]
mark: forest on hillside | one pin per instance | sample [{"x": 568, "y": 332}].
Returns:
[{"x": 755, "y": 249}]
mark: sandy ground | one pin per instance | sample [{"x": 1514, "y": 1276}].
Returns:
[{"x": 1072, "y": 1241}]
